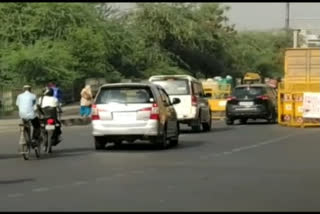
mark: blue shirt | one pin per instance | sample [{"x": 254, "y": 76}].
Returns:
[
  {"x": 57, "y": 93},
  {"x": 25, "y": 103}
]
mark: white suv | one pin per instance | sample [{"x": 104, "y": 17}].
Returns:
[
  {"x": 194, "y": 108},
  {"x": 133, "y": 111}
]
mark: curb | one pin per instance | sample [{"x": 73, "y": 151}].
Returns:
[{"x": 76, "y": 121}]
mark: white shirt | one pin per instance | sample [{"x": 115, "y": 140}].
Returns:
[
  {"x": 25, "y": 103},
  {"x": 48, "y": 102}
]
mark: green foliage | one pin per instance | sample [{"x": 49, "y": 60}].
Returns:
[{"x": 67, "y": 42}]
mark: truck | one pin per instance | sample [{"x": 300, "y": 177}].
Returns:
[{"x": 301, "y": 76}]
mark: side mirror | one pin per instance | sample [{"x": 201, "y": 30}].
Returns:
[{"x": 176, "y": 101}]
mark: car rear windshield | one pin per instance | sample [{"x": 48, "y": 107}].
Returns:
[
  {"x": 249, "y": 92},
  {"x": 174, "y": 86},
  {"x": 124, "y": 95}
]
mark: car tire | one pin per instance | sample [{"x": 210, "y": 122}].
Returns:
[
  {"x": 175, "y": 140},
  {"x": 207, "y": 126},
  {"x": 273, "y": 117},
  {"x": 229, "y": 121},
  {"x": 196, "y": 128},
  {"x": 99, "y": 143},
  {"x": 161, "y": 141},
  {"x": 243, "y": 121}
]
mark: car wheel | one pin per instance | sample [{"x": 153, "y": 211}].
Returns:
[
  {"x": 162, "y": 141},
  {"x": 273, "y": 117},
  {"x": 175, "y": 140},
  {"x": 243, "y": 121},
  {"x": 99, "y": 143},
  {"x": 207, "y": 126},
  {"x": 229, "y": 121},
  {"x": 196, "y": 128}
]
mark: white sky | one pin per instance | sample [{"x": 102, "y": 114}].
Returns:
[{"x": 261, "y": 16}]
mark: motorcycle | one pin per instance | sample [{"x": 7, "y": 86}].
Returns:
[
  {"x": 49, "y": 131},
  {"x": 49, "y": 134}
]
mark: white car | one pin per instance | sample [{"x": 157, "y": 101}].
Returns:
[
  {"x": 134, "y": 111},
  {"x": 194, "y": 108}
]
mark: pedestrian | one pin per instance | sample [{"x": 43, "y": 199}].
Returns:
[
  {"x": 86, "y": 101},
  {"x": 56, "y": 91}
]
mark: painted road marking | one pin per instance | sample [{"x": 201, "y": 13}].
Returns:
[
  {"x": 80, "y": 183},
  {"x": 15, "y": 195},
  {"x": 243, "y": 148},
  {"x": 41, "y": 189}
]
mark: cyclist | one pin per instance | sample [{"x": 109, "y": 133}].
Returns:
[{"x": 26, "y": 102}]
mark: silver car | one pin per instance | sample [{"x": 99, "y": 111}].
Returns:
[{"x": 134, "y": 111}]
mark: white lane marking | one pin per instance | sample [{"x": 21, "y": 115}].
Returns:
[
  {"x": 243, "y": 148},
  {"x": 15, "y": 195},
  {"x": 102, "y": 179},
  {"x": 41, "y": 189},
  {"x": 138, "y": 172},
  {"x": 80, "y": 183}
]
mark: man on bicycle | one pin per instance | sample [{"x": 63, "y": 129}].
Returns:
[{"x": 26, "y": 102}]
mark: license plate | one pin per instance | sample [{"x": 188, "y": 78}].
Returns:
[
  {"x": 50, "y": 127},
  {"x": 246, "y": 104},
  {"x": 124, "y": 116}
]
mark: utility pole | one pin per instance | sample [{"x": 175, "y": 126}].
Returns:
[{"x": 287, "y": 16}]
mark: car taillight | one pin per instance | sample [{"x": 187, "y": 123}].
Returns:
[
  {"x": 50, "y": 121},
  {"x": 154, "y": 111},
  {"x": 231, "y": 98},
  {"x": 263, "y": 97},
  {"x": 95, "y": 113},
  {"x": 193, "y": 100}
]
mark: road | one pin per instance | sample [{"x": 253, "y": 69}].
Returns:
[{"x": 254, "y": 167}]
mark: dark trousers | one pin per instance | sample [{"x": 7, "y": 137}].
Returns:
[{"x": 36, "y": 127}]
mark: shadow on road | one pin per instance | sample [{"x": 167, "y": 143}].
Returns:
[
  {"x": 17, "y": 181},
  {"x": 144, "y": 146},
  {"x": 58, "y": 153},
  {"x": 72, "y": 152},
  {"x": 250, "y": 123},
  {"x": 9, "y": 156}
]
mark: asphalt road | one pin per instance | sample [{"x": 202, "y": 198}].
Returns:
[{"x": 254, "y": 167}]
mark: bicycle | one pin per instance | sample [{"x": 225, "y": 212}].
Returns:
[{"x": 26, "y": 140}]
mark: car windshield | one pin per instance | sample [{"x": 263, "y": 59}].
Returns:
[
  {"x": 249, "y": 92},
  {"x": 124, "y": 95},
  {"x": 174, "y": 86}
]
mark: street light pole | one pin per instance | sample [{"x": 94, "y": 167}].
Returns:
[{"x": 287, "y": 16}]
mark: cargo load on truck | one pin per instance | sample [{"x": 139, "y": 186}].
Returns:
[{"x": 251, "y": 78}]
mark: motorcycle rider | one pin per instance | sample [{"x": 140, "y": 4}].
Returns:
[
  {"x": 49, "y": 107},
  {"x": 26, "y": 102}
]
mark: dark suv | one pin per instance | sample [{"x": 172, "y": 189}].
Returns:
[{"x": 255, "y": 101}]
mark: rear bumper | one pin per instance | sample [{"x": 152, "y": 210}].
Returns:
[
  {"x": 115, "y": 129},
  {"x": 254, "y": 113}
]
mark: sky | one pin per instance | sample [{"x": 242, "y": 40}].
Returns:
[{"x": 265, "y": 16}]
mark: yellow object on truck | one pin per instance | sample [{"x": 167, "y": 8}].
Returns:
[
  {"x": 251, "y": 78},
  {"x": 219, "y": 94},
  {"x": 299, "y": 92}
]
